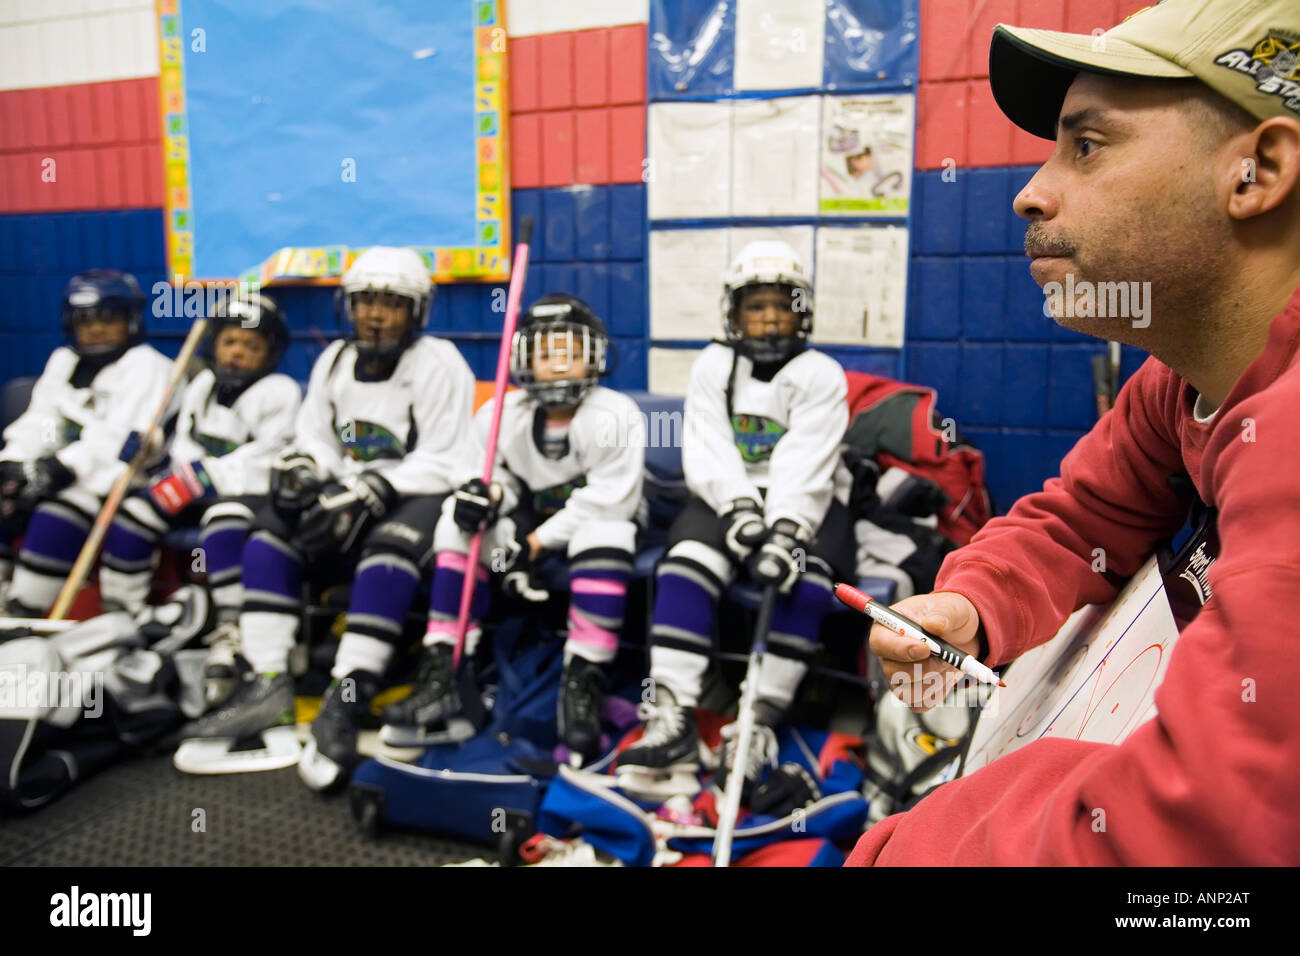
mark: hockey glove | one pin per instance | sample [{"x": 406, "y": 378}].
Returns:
[
  {"x": 476, "y": 505},
  {"x": 296, "y": 480},
  {"x": 342, "y": 513},
  {"x": 788, "y": 788},
  {"x": 745, "y": 529},
  {"x": 174, "y": 492},
  {"x": 781, "y": 557},
  {"x": 39, "y": 479},
  {"x": 151, "y": 442}
]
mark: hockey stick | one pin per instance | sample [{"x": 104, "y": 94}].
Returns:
[
  {"x": 518, "y": 266},
  {"x": 90, "y": 550},
  {"x": 745, "y": 719}
]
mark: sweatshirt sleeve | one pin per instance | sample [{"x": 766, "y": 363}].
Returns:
[
  {"x": 247, "y": 469},
  {"x": 313, "y": 430},
  {"x": 442, "y": 411},
  {"x": 26, "y": 437},
  {"x": 1212, "y": 778},
  {"x": 139, "y": 379},
  {"x": 711, "y": 461},
  {"x": 1029, "y": 570},
  {"x": 612, "y": 492},
  {"x": 803, "y": 462}
]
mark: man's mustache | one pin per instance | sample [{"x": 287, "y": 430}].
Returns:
[{"x": 1039, "y": 243}]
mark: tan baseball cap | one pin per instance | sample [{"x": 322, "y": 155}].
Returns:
[{"x": 1247, "y": 50}]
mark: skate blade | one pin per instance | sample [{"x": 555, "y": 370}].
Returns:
[
  {"x": 651, "y": 783},
  {"x": 369, "y": 745},
  {"x": 316, "y": 770},
  {"x": 458, "y": 731},
  {"x": 214, "y": 755}
]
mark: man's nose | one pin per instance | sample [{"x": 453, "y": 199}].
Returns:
[{"x": 1038, "y": 201}]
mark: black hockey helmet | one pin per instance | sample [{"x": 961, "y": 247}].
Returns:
[
  {"x": 103, "y": 292},
  {"x": 549, "y": 321},
  {"x": 258, "y": 313}
]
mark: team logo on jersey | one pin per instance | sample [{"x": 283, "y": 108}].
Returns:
[
  {"x": 756, "y": 436},
  {"x": 1273, "y": 63},
  {"x": 366, "y": 441},
  {"x": 214, "y": 446},
  {"x": 548, "y": 501}
]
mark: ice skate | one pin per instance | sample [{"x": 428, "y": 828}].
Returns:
[
  {"x": 444, "y": 707},
  {"x": 763, "y": 749},
  {"x": 252, "y": 731},
  {"x": 330, "y": 752},
  {"x": 666, "y": 760},
  {"x": 578, "y": 710},
  {"x": 223, "y": 665}
]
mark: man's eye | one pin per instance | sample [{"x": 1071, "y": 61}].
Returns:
[{"x": 1084, "y": 146}]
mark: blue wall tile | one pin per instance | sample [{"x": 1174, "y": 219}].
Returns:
[
  {"x": 592, "y": 205},
  {"x": 627, "y": 221},
  {"x": 983, "y": 298},
  {"x": 935, "y": 305},
  {"x": 980, "y": 401},
  {"x": 560, "y": 230},
  {"x": 937, "y": 217},
  {"x": 1024, "y": 394},
  {"x": 1071, "y": 402},
  {"x": 986, "y": 209}
]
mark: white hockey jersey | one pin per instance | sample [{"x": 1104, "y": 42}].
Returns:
[
  {"x": 236, "y": 443},
  {"x": 782, "y": 437},
  {"x": 87, "y": 427},
  {"x": 599, "y": 479},
  {"x": 412, "y": 427}
]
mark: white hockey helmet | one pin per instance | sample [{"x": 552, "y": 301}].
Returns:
[
  {"x": 396, "y": 273},
  {"x": 768, "y": 263}
]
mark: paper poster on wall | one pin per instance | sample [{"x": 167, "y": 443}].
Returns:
[
  {"x": 775, "y": 156},
  {"x": 860, "y": 292},
  {"x": 686, "y": 270},
  {"x": 670, "y": 370},
  {"x": 1095, "y": 680},
  {"x": 866, "y": 155},
  {"x": 690, "y": 160},
  {"x": 779, "y": 44}
]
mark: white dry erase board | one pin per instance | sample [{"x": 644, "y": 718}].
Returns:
[{"x": 1095, "y": 680}]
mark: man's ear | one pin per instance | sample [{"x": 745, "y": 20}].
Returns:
[{"x": 1268, "y": 169}]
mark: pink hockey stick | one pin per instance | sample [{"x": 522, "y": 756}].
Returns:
[{"x": 518, "y": 266}]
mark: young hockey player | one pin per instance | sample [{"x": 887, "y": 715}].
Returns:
[
  {"x": 62, "y": 455},
  {"x": 234, "y": 419},
  {"x": 566, "y": 477},
  {"x": 763, "y": 420},
  {"x": 378, "y": 444}
]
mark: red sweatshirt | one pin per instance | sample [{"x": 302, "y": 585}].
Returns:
[{"x": 1215, "y": 777}]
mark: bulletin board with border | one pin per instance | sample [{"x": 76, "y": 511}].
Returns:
[{"x": 263, "y": 106}]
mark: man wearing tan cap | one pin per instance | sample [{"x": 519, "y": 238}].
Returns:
[{"x": 1177, "y": 163}]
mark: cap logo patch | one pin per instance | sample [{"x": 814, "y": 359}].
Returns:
[{"x": 1273, "y": 63}]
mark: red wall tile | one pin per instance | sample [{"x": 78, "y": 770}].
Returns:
[
  {"x": 1041, "y": 14},
  {"x": 940, "y": 125},
  {"x": 109, "y": 177},
  {"x": 626, "y": 143},
  {"x": 591, "y": 67},
  {"x": 58, "y": 122},
  {"x": 593, "y": 153},
  {"x": 557, "y": 142},
  {"x": 627, "y": 67},
  {"x": 149, "y": 103},
  {"x": 8, "y": 122},
  {"x": 38, "y": 130},
  {"x": 104, "y": 112},
  {"x": 555, "y": 72},
  {"x": 525, "y": 151},
  {"x": 134, "y": 165},
  {"x": 943, "y": 32},
  {"x": 988, "y": 130},
  {"x": 81, "y": 122},
  {"x": 1027, "y": 149},
  {"x": 981, "y": 33},
  {"x": 132, "y": 124},
  {"x": 1084, "y": 16},
  {"x": 524, "y": 53}
]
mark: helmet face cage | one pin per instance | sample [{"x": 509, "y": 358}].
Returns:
[
  {"x": 416, "y": 316},
  {"x": 259, "y": 315},
  {"x": 769, "y": 348},
  {"x": 547, "y": 338},
  {"x": 103, "y": 294}
]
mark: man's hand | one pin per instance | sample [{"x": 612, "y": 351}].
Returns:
[
  {"x": 919, "y": 680},
  {"x": 476, "y": 505},
  {"x": 535, "y": 546},
  {"x": 343, "y": 512},
  {"x": 775, "y": 563},
  {"x": 177, "y": 490},
  {"x": 745, "y": 528},
  {"x": 296, "y": 480}
]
